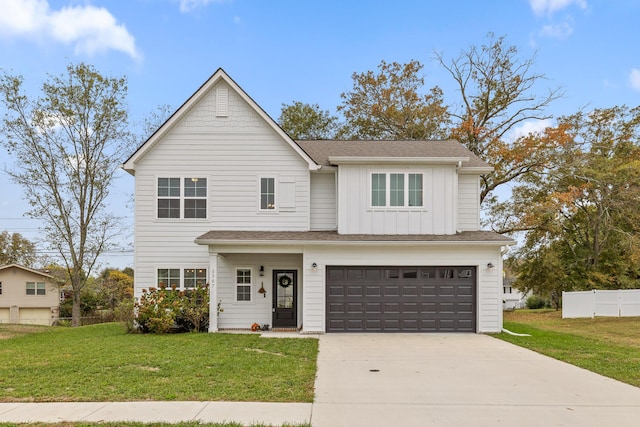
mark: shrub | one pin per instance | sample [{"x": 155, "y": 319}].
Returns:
[
  {"x": 535, "y": 302},
  {"x": 167, "y": 310}
]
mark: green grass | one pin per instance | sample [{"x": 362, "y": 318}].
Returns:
[
  {"x": 103, "y": 363},
  {"x": 607, "y": 346}
]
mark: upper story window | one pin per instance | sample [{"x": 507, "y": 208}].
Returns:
[
  {"x": 182, "y": 198},
  {"x": 397, "y": 189},
  {"x": 36, "y": 288},
  {"x": 267, "y": 193}
]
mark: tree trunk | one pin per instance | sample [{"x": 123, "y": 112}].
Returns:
[{"x": 76, "y": 314}]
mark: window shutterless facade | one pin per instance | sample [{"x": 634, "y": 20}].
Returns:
[
  {"x": 182, "y": 198},
  {"x": 243, "y": 284},
  {"x": 36, "y": 288},
  {"x": 397, "y": 189}
]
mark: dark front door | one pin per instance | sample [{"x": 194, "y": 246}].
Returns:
[{"x": 285, "y": 284}]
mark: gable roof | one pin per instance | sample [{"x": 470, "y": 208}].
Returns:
[
  {"x": 333, "y": 152},
  {"x": 27, "y": 269},
  {"x": 220, "y": 75}
]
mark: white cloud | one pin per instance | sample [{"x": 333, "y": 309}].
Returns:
[
  {"x": 189, "y": 5},
  {"x": 549, "y": 7},
  {"x": 90, "y": 29},
  {"x": 559, "y": 31},
  {"x": 529, "y": 127},
  {"x": 634, "y": 78}
]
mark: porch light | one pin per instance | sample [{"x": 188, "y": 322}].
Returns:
[
  {"x": 314, "y": 267},
  {"x": 262, "y": 270},
  {"x": 490, "y": 266}
]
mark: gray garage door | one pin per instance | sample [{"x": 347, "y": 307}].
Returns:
[{"x": 401, "y": 299}]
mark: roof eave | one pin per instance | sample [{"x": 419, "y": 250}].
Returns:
[
  {"x": 236, "y": 242},
  {"x": 338, "y": 160}
]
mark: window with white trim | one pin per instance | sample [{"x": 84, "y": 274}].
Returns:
[
  {"x": 243, "y": 284},
  {"x": 194, "y": 277},
  {"x": 181, "y": 278},
  {"x": 36, "y": 288},
  {"x": 182, "y": 198},
  {"x": 267, "y": 194},
  {"x": 397, "y": 189}
]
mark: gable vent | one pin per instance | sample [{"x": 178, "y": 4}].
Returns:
[{"x": 222, "y": 102}]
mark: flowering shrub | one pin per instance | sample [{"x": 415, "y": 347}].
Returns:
[{"x": 162, "y": 310}]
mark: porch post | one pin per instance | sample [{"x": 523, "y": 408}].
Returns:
[{"x": 213, "y": 292}]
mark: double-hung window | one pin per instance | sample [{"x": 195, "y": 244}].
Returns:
[
  {"x": 267, "y": 194},
  {"x": 243, "y": 284},
  {"x": 36, "y": 288},
  {"x": 182, "y": 198},
  {"x": 396, "y": 189}
]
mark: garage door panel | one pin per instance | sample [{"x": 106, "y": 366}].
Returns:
[{"x": 400, "y": 299}]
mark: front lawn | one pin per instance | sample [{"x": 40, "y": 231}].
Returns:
[
  {"x": 605, "y": 345},
  {"x": 103, "y": 363}
]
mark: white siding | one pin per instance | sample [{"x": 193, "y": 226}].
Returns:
[
  {"x": 355, "y": 216},
  {"x": 323, "y": 201},
  {"x": 489, "y": 291},
  {"x": 468, "y": 202},
  {"x": 241, "y": 315},
  {"x": 232, "y": 152}
]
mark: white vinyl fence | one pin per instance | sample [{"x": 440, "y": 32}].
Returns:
[{"x": 620, "y": 303}]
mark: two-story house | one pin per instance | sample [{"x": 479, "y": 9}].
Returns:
[
  {"x": 28, "y": 296},
  {"x": 320, "y": 236}
]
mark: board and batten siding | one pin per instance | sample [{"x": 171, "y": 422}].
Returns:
[
  {"x": 437, "y": 216},
  {"x": 489, "y": 285},
  {"x": 323, "y": 201},
  {"x": 232, "y": 152},
  {"x": 468, "y": 202}
]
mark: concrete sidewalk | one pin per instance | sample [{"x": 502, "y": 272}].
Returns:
[{"x": 246, "y": 413}]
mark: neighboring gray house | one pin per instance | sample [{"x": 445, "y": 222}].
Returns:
[
  {"x": 319, "y": 236},
  {"x": 28, "y": 296}
]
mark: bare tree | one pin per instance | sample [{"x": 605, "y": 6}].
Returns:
[
  {"x": 496, "y": 89},
  {"x": 67, "y": 145}
]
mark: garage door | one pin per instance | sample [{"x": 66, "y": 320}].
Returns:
[
  {"x": 401, "y": 299},
  {"x": 35, "y": 316}
]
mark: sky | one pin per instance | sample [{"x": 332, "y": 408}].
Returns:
[{"x": 282, "y": 51}]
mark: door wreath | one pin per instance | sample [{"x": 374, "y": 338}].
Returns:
[{"x": 285, "y": 281}]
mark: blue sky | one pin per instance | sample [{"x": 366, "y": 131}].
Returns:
[{"x": 305, "y": 50}]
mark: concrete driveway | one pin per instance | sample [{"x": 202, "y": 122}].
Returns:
[{"x": 459, "y": 380}]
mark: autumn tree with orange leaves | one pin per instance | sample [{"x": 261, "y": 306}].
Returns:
[
  {"x": 496, "y": 94},
  {"x": 390, "y": 104},
  {"x": 582, "y": 213}
]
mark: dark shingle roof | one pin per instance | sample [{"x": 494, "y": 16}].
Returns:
[
  {"x": 321, "y": 150},
  {"x": 333, "y": 236}
]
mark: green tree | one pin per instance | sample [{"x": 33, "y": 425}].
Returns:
[
  {"x": 583, "y": 213},
  {"x": 15, "y": 249},
  {"x": 113, "y": 287},
  {"x": 496, "y": 90},
  {"x": 389, "y": 105},
  {"x": 307, "y": 121},
  {"x": 67, "y": 145}
]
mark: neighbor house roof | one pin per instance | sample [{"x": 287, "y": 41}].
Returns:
[
  {"x": 30, "y": 270},
  {"x": 301, "y": 237},
  {"x": 332, "y": 152}
]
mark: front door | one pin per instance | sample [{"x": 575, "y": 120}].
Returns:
[{"x": 285, "y": 284}]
